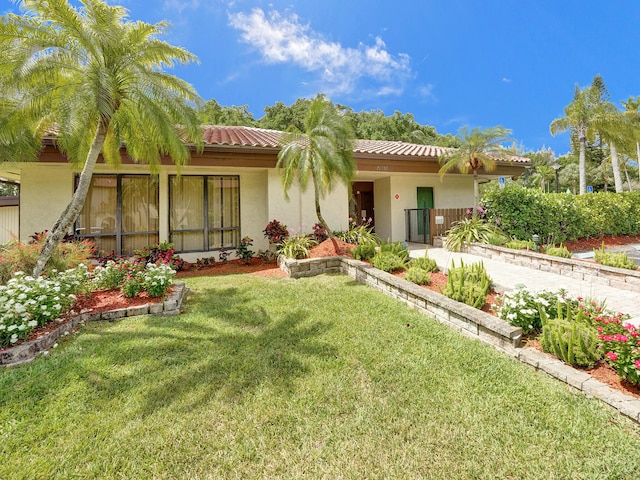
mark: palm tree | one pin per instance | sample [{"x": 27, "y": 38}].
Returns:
[
  {"x": 632, "y": 112},
  {"x": 96, "y": 81},
  {"x": 579, "y": 118},
  {"x": 478, "y": 149},
  {"x": 324, "y": 152}
]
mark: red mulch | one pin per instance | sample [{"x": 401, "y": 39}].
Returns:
[
  {"x": 328, "y": 249},
  {"x": 587, "y": 244},
  {"x": 256, "y": 266}
]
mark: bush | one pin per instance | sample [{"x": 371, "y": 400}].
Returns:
[
  {"x": 520, "y": 244},
  {"x": 387, "y": 261},
  {"x": 319, "y": 233},
  {"x": 468, "y": 284},
  {"x": 560, "y": 251},
  {"x": 162, "y": 252},
  {"x": 397, "y": 248},
  {"x": 275, "y": 232},
  {"x": 467, "y": 231},
  {"x": 620, "y": 342},
  {"x": 296, "y": 246},
  {"x": 244, "y": 251},
  {"x": 424, "y": 263},
  {"x": 358, "y": 234},
  {"x": 614, "y": 259},
  {"x": 570, "y": 335},
  {"x": 418, "y": 276},
  {"x": 20, "y": 257},
  {"x": 521, "y": 308},
  {"x": 364, "y": 251}
]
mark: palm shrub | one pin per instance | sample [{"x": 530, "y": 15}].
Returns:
[
  {"x": 388, "y": 261},
  {"x": 614, "y": 259},
  {"x": 570, "y": 336},
  {"x": 418, "y": 275},
  {"x": 364, "y": 251},
  {"x": 297, "y": 246},
  {"x": 397, "y": 248},
  {"x": 359, "y": 234},
  {"x": 467, "y": 231},
  {"x": 560, "y": 251},
  {"x": 468, "y": 284}
]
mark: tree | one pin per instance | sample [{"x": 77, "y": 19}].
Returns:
[
  {"x": 632, "y": 112},
  {"x": 478, "y": 149},
  {"x": 579, "y": 116},
  {"x": 324, "y": 152},
  {"x": 96, "y": 80},
  {"x": 212, "y": 113}
]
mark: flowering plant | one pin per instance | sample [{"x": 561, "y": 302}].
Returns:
[
  {"x": 243, "y": 251},
  {"x": 521, "y": 308},
  {"x": 157, "y": 278},
  {"x": 27, "y": 302},
  {"x": 621, "y": 342},
  {"x": 275, "y": 232}
]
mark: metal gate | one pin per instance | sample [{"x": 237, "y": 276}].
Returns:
[{"x": 417, "y": 225}]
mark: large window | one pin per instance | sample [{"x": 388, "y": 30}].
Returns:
[
  {"x": 204, "y": 212},
  {"x": 120, "y": 213}
]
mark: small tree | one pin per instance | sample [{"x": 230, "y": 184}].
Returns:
[
  {"x": 478, "y": 149},
  {"x": 324, "y": 152}
]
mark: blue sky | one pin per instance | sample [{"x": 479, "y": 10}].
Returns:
[{"x": 450, "y": 63}]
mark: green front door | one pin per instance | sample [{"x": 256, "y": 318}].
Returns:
[{"x": 425, "y": 200}]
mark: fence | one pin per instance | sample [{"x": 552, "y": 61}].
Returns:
[{"x": 422, "y": 224}]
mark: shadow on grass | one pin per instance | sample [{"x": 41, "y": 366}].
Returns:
[{"x": 224, "y": 347}]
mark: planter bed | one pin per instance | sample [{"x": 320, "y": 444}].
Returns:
[{"x": 27, "y": 351}]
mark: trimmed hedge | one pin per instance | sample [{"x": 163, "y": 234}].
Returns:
[{"x": 521, "y": 212}]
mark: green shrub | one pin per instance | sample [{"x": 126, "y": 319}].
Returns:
[
  {"x": 498, "y": 239},
  {"x": 520, "y": 244},
  {"x": 614, "y": 259},
  {"x": 364, "y": 251},
  {"x": 424, "y": 263},
  {"x": 358, "y": 234},
  {"x": 467, "y": 231},
  {"x": 388, "y": 261},
  {"x": 397, "y": 248},
  {"x": 560, "y": 251},
  {"x": 570, "y": 336},
  {"x": 296, "y": 246},
  {"x": 418, "y": 275},
  {"x": 468, "y": 284}
]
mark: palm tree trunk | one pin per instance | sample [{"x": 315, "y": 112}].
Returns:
[
  {"x": 476, "y": 194},
  {"x": 626, "y": 174},
  {"x": 582, "y": 165},
  {"x": 638, "y": 152},
  {"x": 615, "y": 165},
  {"x": 71, "y": 213},
  {"x": 321, "y": 220}
]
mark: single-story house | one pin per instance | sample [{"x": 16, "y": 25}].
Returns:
[{"x": 232, "y": 189}]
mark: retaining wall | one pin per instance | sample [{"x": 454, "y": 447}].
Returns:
[{"x": 569, "y": 267}]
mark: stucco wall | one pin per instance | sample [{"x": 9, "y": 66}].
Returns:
[
  {"x": 395, "y": 194},
  {"x": 45, "y": 191},
  {"x": 298, "y": 212}
]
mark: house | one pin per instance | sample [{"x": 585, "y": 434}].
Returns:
[{"x": 232, "y": 189}]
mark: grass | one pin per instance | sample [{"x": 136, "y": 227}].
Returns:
[{"x": 313, "y": 378}]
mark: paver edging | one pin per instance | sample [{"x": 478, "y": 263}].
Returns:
[
  {"x": 27, "y": 351},
  {"x": 490, "y": 329}
]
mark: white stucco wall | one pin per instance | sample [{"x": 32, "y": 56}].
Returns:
[
  {"x": 298, "y": 212},
  {"x": 45, "y": 191},
  {"x": 453, "y": 192}
]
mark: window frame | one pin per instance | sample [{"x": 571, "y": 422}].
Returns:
[{"x": 206, "y": 230}]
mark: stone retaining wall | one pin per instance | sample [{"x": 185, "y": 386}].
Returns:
[
  {"x": 579, "y": 269},
  {"x": 27, "y": 351}
]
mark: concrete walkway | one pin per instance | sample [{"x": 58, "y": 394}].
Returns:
[{"x": 507, "y": 276}]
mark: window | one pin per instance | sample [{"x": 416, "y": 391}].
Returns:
[
  {"x": 120, "y": 213},
  {"x": 204, "y": 212}
]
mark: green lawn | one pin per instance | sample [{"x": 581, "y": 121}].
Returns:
[{"x": 313, "y": 378}]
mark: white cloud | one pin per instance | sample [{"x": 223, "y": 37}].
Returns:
[
  {"x": 506, "y": 80},
  {"x": 180, "y": 5},
  {"x": 284, "y": 39},
  {"x": 426, "y": 91}
]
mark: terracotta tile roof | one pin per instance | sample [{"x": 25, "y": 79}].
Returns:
[{"x": 260, "y": 137}]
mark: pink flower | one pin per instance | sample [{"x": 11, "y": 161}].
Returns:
[
  {"x": 599, "y": 329},
  {"x": 611, "y": 356},
  {"x": 620, "y": 338}
]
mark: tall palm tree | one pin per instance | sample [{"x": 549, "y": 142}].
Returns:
[
  {"x": 632, "y": 112},
  {"x": 479, "y": 149},
  {"x": 324, "y": 152},
  {"x": 579, "y": 119},
  {"x": 95, "y": 80}
]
